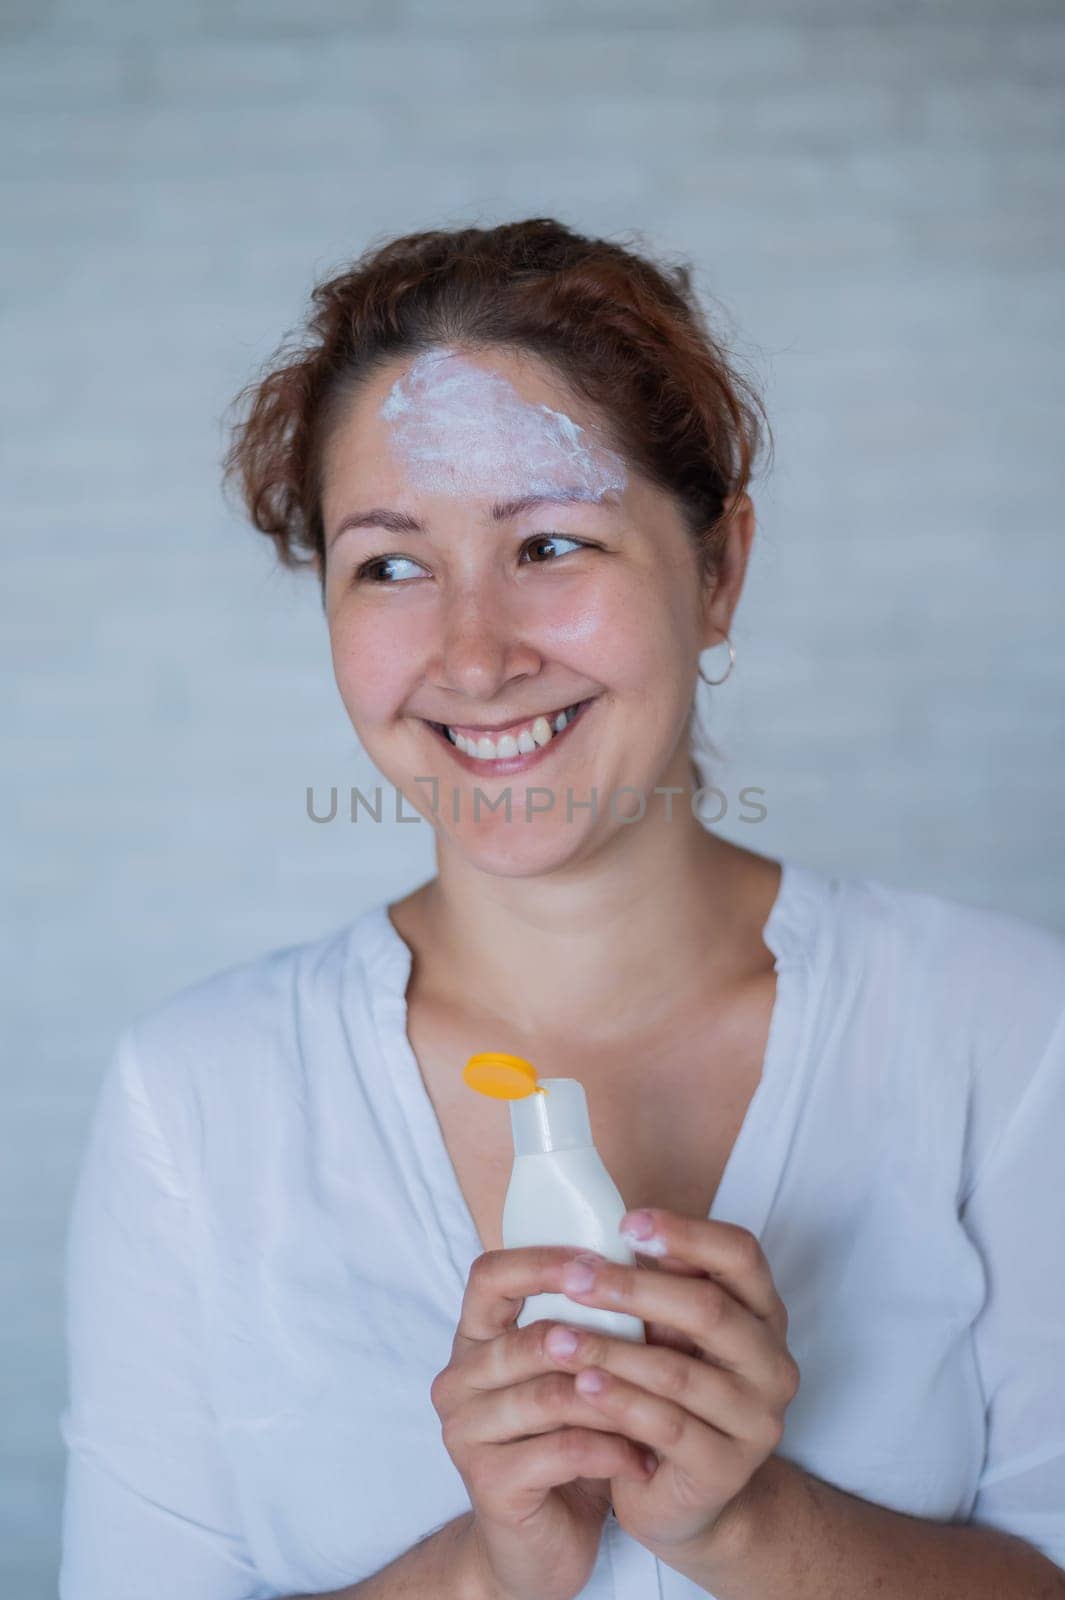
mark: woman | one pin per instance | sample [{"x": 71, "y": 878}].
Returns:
[{"x": 518, "y": 461}]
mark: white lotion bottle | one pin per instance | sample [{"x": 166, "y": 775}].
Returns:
[{"x": 560, "y": 1193}]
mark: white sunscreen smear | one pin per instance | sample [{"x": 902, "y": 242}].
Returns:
[{"x": 462, "y": 430}]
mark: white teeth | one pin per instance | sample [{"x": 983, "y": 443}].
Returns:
[{"x": 540, "y": 732}]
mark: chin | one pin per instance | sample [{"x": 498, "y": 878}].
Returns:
[{"x": 520, "y": 850}]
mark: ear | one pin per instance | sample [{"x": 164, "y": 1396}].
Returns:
[{"x": 722, "y": 592}]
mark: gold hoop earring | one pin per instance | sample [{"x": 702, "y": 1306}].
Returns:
[{"x": 714, "y": 682}]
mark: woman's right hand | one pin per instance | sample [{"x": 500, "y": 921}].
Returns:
[{"x": 534, "y": 1455}]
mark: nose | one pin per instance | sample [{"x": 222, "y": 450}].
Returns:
[{"x": 482, "y": 647}]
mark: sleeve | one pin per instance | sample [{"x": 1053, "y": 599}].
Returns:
[
  {"x": 148, "y": 1507},
  {"x": 1015, "y": 1214}
]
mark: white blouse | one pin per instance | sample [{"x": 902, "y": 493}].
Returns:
[{"x": 268, "y": 1248}]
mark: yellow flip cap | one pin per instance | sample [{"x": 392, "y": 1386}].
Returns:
[{"x": 503, "y": 1077}]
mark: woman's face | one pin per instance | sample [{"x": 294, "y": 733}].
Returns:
[{"x": 448, "y": 603}]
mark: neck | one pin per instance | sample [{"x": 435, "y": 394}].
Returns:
[{"x": 661, "y": 917}]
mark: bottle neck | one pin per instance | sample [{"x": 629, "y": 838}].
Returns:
[{"x": 555, "y": 1120}]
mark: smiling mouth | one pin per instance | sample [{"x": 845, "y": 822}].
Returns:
[{"x": 505, "y": 751}]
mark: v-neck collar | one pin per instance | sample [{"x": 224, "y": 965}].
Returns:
[{"x": 754, "y": 1168}]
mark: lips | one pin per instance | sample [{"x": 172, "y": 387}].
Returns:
[{"x": 495, "y": 729}]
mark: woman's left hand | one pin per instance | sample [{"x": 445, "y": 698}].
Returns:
[{"x": 709, "y": 1389}]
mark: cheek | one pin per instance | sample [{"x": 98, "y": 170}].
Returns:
[
  {"x": 372, "y": 663},
  {"x": 619, "y": 630}
]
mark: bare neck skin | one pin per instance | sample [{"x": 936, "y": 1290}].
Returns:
[{"x": 660, "y": 918}]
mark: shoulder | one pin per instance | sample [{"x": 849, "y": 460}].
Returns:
[
  {"x": 241, "y": 1003},
  {"x": 984, "y": 966},
  {"x": 231, "y": 1046},
  {"x": 966, "y": 1001},
  {"x": 980, "y": 954}
]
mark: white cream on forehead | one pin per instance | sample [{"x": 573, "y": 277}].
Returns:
[{"x": 461, "y": 430}]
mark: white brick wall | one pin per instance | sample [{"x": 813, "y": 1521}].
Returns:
[{"x": 875, "y": 195}]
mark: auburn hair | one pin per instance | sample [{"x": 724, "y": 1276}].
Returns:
[{"x": 623, "y": 331}]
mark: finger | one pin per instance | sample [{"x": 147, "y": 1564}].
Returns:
[
  {"x": 509, "y": 1476},
  {"x": 541, "y": 1404},
  {"x": 668, "y": 1263},
  {"x": 672, "y": 1383},
  {"x": 732, "y": 1255},
  {"x": 678, "y": 1431},
  {"x": 490, "y": 1364},
  {"x": 500, "y": 1281},
  {"x": 718, "y": 1325},
  {"x": 510, "y": 1358},
  {"x": 661, "y": 1332}
]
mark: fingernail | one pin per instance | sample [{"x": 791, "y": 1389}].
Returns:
[
  {"x": 637, "y": 1224},
  {"x": 649, "y": 1247},
  {"x": 579, "y": 1274},
  {"x": 561, "y": 1342}
]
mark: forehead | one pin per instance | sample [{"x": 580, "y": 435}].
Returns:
[{"x": 487, "y": 424}]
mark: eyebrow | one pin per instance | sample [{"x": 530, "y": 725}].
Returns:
[{"x": 502, "y": 511}]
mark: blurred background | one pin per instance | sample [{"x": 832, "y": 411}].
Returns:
[{"x": 871, "y": 196}]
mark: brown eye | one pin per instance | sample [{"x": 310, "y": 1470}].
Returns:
[
  {"x": 552, "y": 538},
  {"x": 369, "y": 571}
]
